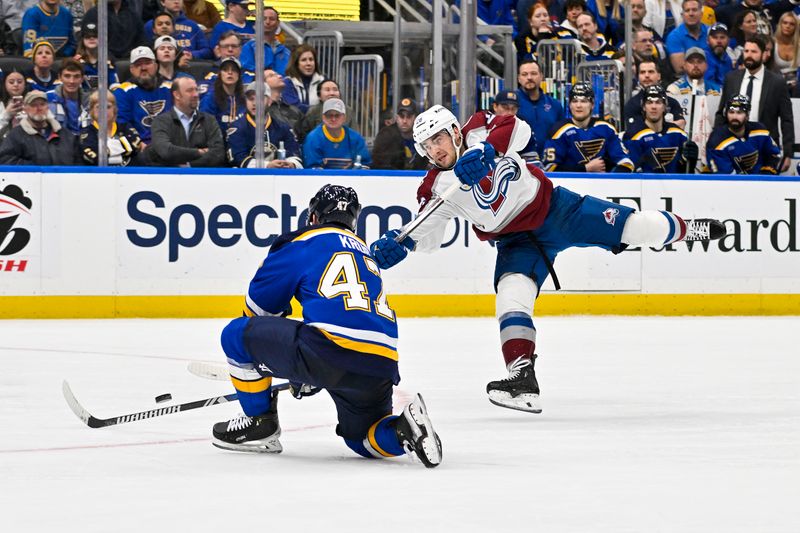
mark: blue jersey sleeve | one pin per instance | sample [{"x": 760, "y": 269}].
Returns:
[
  {"x": 276, "y": 281},
  {"x": 360, "y": 148},
  {"x": 617, "y": 151},
  {"x": 312, "y": 151},
  {"x": 556, "y": 152}
]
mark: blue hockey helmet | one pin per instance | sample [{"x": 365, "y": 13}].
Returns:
[{"x": 335, "y": 204}]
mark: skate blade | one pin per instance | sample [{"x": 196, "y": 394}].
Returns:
[
  {"x": 428, "y": 442},
  {"x": 522, "y": 402},
  {"x": 272, "y": 445}
]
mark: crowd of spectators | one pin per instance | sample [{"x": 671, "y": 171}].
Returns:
[{"x": 182, "y": 85}]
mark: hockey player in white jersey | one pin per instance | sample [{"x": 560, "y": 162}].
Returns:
[{"x": 515, "y": 205}]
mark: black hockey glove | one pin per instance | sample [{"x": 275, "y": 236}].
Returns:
[{"x": 690, "y": 151}]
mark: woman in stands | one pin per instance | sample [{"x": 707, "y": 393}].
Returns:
[
  {"x": 787, "y": 47},
  {"x": 86, "y": 55},
  {"x": 42, "y": 77},
  {"x": 541, "y": 27},
  {"x": 744, "y": 26},
  {"x": 225, "y": 100},
  {"x": 123, "y": 144},
  {"x": 12, "y": 90},
  {"x": 303, "y": 72}
]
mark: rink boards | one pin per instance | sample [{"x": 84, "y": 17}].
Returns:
[{"x": 185, "y": 244}]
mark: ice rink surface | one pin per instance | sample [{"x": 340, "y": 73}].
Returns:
[{"x": 649, "y": 425}]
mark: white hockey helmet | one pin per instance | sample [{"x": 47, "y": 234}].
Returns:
[{"x": 430, "y": 122}]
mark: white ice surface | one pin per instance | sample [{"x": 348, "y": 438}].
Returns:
[{"x": 649, "y": 425}]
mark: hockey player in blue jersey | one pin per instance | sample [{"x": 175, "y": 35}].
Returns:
[
  {"x": 242, "y": 137},
  {"x": 143, "y": 96},
  {"x": 345, "y": 344},
  {"x": 739, "y": 146},
  {"x": 48, "y": 20},
  {"x": 584, "y": 143},
  {"x": 656, "y": 145}
]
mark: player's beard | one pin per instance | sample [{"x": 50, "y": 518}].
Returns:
[{"x": 735, "y": 124}]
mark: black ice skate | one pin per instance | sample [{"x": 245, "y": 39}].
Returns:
[
  {"x": 704, "y": 229},
  {"x": 519, "y": 390},
  {"x": 416, "y": 435},
  {"x": 251, "y": 433}
]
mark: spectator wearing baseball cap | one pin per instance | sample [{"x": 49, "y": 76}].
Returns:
[
  {"x": 169, "y": 57},
  {"x": 334, "y": 145},
  {"x": 86, "y": 55},
  {"x": 507, "y": 103},
  {"x": 143, "y": 96},
  {"x": 281, "y": 149},
  {"x": 693, "y": 80},
  {"x": 235, "y": 20},
  {"x": 125, "y": 30},
  {"x": 394, "y": 144},
  {"x": 39, "y": 139},
  {"x": 721, "y": 58},
  {"x": 225, "y": 98}
]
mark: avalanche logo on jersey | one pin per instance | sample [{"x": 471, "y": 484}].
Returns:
[
  {"x": 589, "y": 149},
  {"x": 152, "y": 109},
  {"x": 664, "y": 156},
  {"x": 610, "y": 215},
  {"x": 746, "y": 162},
  {"x": 491, "y": 191}
]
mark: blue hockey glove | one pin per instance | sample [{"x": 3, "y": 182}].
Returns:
[
  {"x": 301, "y": 390},
  {"x": 476, "y": 162},
  {"x": 388, "y": 252}
]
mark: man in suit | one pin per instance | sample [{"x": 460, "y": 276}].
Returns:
[{"x": 767, "y": 93}]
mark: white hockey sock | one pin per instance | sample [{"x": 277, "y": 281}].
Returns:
[
  {"x": 516, "y": 294},
  {"x": 653, "y": 228}
]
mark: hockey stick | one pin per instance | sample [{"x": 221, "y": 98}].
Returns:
[
  {"x": 432, "y": 207},
  {"x": 94, "y": 422},
  {"x": 691, "y": 120}
]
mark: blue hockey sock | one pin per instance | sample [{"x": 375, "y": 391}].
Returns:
[
  {"x": 251, "y": 387},
  {"x": 382, "y": 439}
]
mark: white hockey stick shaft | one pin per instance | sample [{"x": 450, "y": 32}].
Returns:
[{"x": 432, "y": 207}]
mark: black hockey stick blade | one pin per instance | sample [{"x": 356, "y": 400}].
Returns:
[{"x": 94, "y": 422}]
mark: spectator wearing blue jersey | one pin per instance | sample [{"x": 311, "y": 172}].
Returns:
[
  {"x": 143, "y": 97},
  {"x": 276, "y": 55},
  {"x": 326, "y": 90},
  {"x": 303, "y": 72},
  {"x": 689, "y": 34},
  {"x": 225, "y": 99},
  {"x": 48, "y": 20},
  {"x": 235, "y": 20},
  {"x": 280, "y": 145},
  {"x": 540, "y": 110},
  {"x": 334, "y": 145},
  {"x": 188, "y": 33},
  {"x": 41, "y": 77},
  {"x": 67, "y": 101}
]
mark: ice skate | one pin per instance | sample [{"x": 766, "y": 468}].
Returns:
[
  {"x": 258, "y": 434},
  {"x": 704, "y": 229},
  {"x": 416, "y": 435},
  {"x": 519, "y": 390}
]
